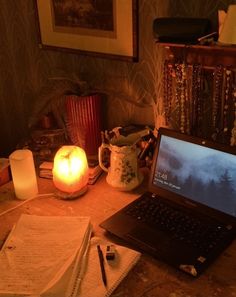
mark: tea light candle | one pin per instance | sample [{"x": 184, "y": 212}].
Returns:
[
  {"x": 70, "y": 172},
  {"x": 23, "y": 174}
]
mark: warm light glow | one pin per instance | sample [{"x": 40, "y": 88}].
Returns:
[
  {"x": 70, "y": 169},
  {"x": 23, "y": 174},
  {"x": 228, "y": 31}
]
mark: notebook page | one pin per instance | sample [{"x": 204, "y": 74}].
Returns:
[
  {"x": 116, "y": 270},
  {"x": 39, "y": 251}
]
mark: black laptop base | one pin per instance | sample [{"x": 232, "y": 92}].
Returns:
[{"x": 191, "y": 257}]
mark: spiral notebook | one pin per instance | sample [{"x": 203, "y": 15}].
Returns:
[
  {"x": 39, "y": 251},
  {"x": 116, "y": 270},
  {"x": 52, "y": 256},
  {"x": 84, "y": 279}
]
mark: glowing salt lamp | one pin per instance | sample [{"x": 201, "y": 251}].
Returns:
[{"x": 70, "y": 172}]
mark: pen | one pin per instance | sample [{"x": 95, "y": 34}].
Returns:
[{"x": 101, "y": 261}]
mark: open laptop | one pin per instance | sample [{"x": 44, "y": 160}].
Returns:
[{"x": 187, "y": 217}]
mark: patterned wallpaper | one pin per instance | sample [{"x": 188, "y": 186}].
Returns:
[{"x": 134, "y": 88}]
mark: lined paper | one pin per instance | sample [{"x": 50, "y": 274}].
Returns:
[{"x": 39, "y": 251}]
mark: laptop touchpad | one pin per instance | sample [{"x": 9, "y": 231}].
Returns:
[{"x": 147, "y": 239}]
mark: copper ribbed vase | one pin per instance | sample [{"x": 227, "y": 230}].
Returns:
[{"x": 84, "y": 121}]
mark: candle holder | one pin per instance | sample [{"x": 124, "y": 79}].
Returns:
[{"x": 70, "y": 172}]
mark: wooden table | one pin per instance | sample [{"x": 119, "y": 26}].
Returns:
[{"x": 149, "y": 277}]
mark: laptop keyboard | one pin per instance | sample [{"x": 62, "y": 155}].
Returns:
[{"x": 201, "y": 233}]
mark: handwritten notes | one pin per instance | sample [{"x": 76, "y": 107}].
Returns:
[{"x": 39, "y": 251}]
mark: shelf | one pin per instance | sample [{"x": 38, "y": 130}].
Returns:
[
  {"x": 207, "y": 55},
  {"x": 213, "y": 47}
]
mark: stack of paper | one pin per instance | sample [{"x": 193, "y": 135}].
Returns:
[
  {"x": 53, "y": 256},
  {"x": 39, "y": 251},
  {"x": 45, "y": 171}
]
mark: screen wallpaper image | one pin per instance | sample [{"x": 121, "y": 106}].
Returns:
[{"x": 202, "y": 174}]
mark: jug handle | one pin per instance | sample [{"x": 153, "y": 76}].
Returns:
[{"x": 100, "y": 155}]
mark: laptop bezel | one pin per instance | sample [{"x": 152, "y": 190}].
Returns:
[{"x": 181, "y": 200}]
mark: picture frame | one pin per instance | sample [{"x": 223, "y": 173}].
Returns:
[{"x": 101, "y": 28}]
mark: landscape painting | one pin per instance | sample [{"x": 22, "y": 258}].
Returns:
[
  {"x": 88, "y": 16},
  {"x": 104, "y": 28}
]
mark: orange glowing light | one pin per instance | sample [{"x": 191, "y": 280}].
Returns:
[{"x": 70, "y": 170}]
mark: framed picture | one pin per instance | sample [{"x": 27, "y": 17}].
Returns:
[{"x": 107, "y": 28}]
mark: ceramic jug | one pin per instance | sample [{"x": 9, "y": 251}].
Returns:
[{"x": 123, "y": 172}]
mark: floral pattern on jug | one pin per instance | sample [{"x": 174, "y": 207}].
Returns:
[{"x": 127, "y": 172}]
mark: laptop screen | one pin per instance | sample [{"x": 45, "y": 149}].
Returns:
[{"x": 197, "y": 172}]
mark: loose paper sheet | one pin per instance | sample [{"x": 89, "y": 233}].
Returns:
[{"x": 39, "y": 251}]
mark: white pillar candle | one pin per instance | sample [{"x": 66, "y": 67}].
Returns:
[{"x": 23, "y": 174}]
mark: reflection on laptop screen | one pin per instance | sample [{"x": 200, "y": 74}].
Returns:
[{"x": 196, "y": 172}]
